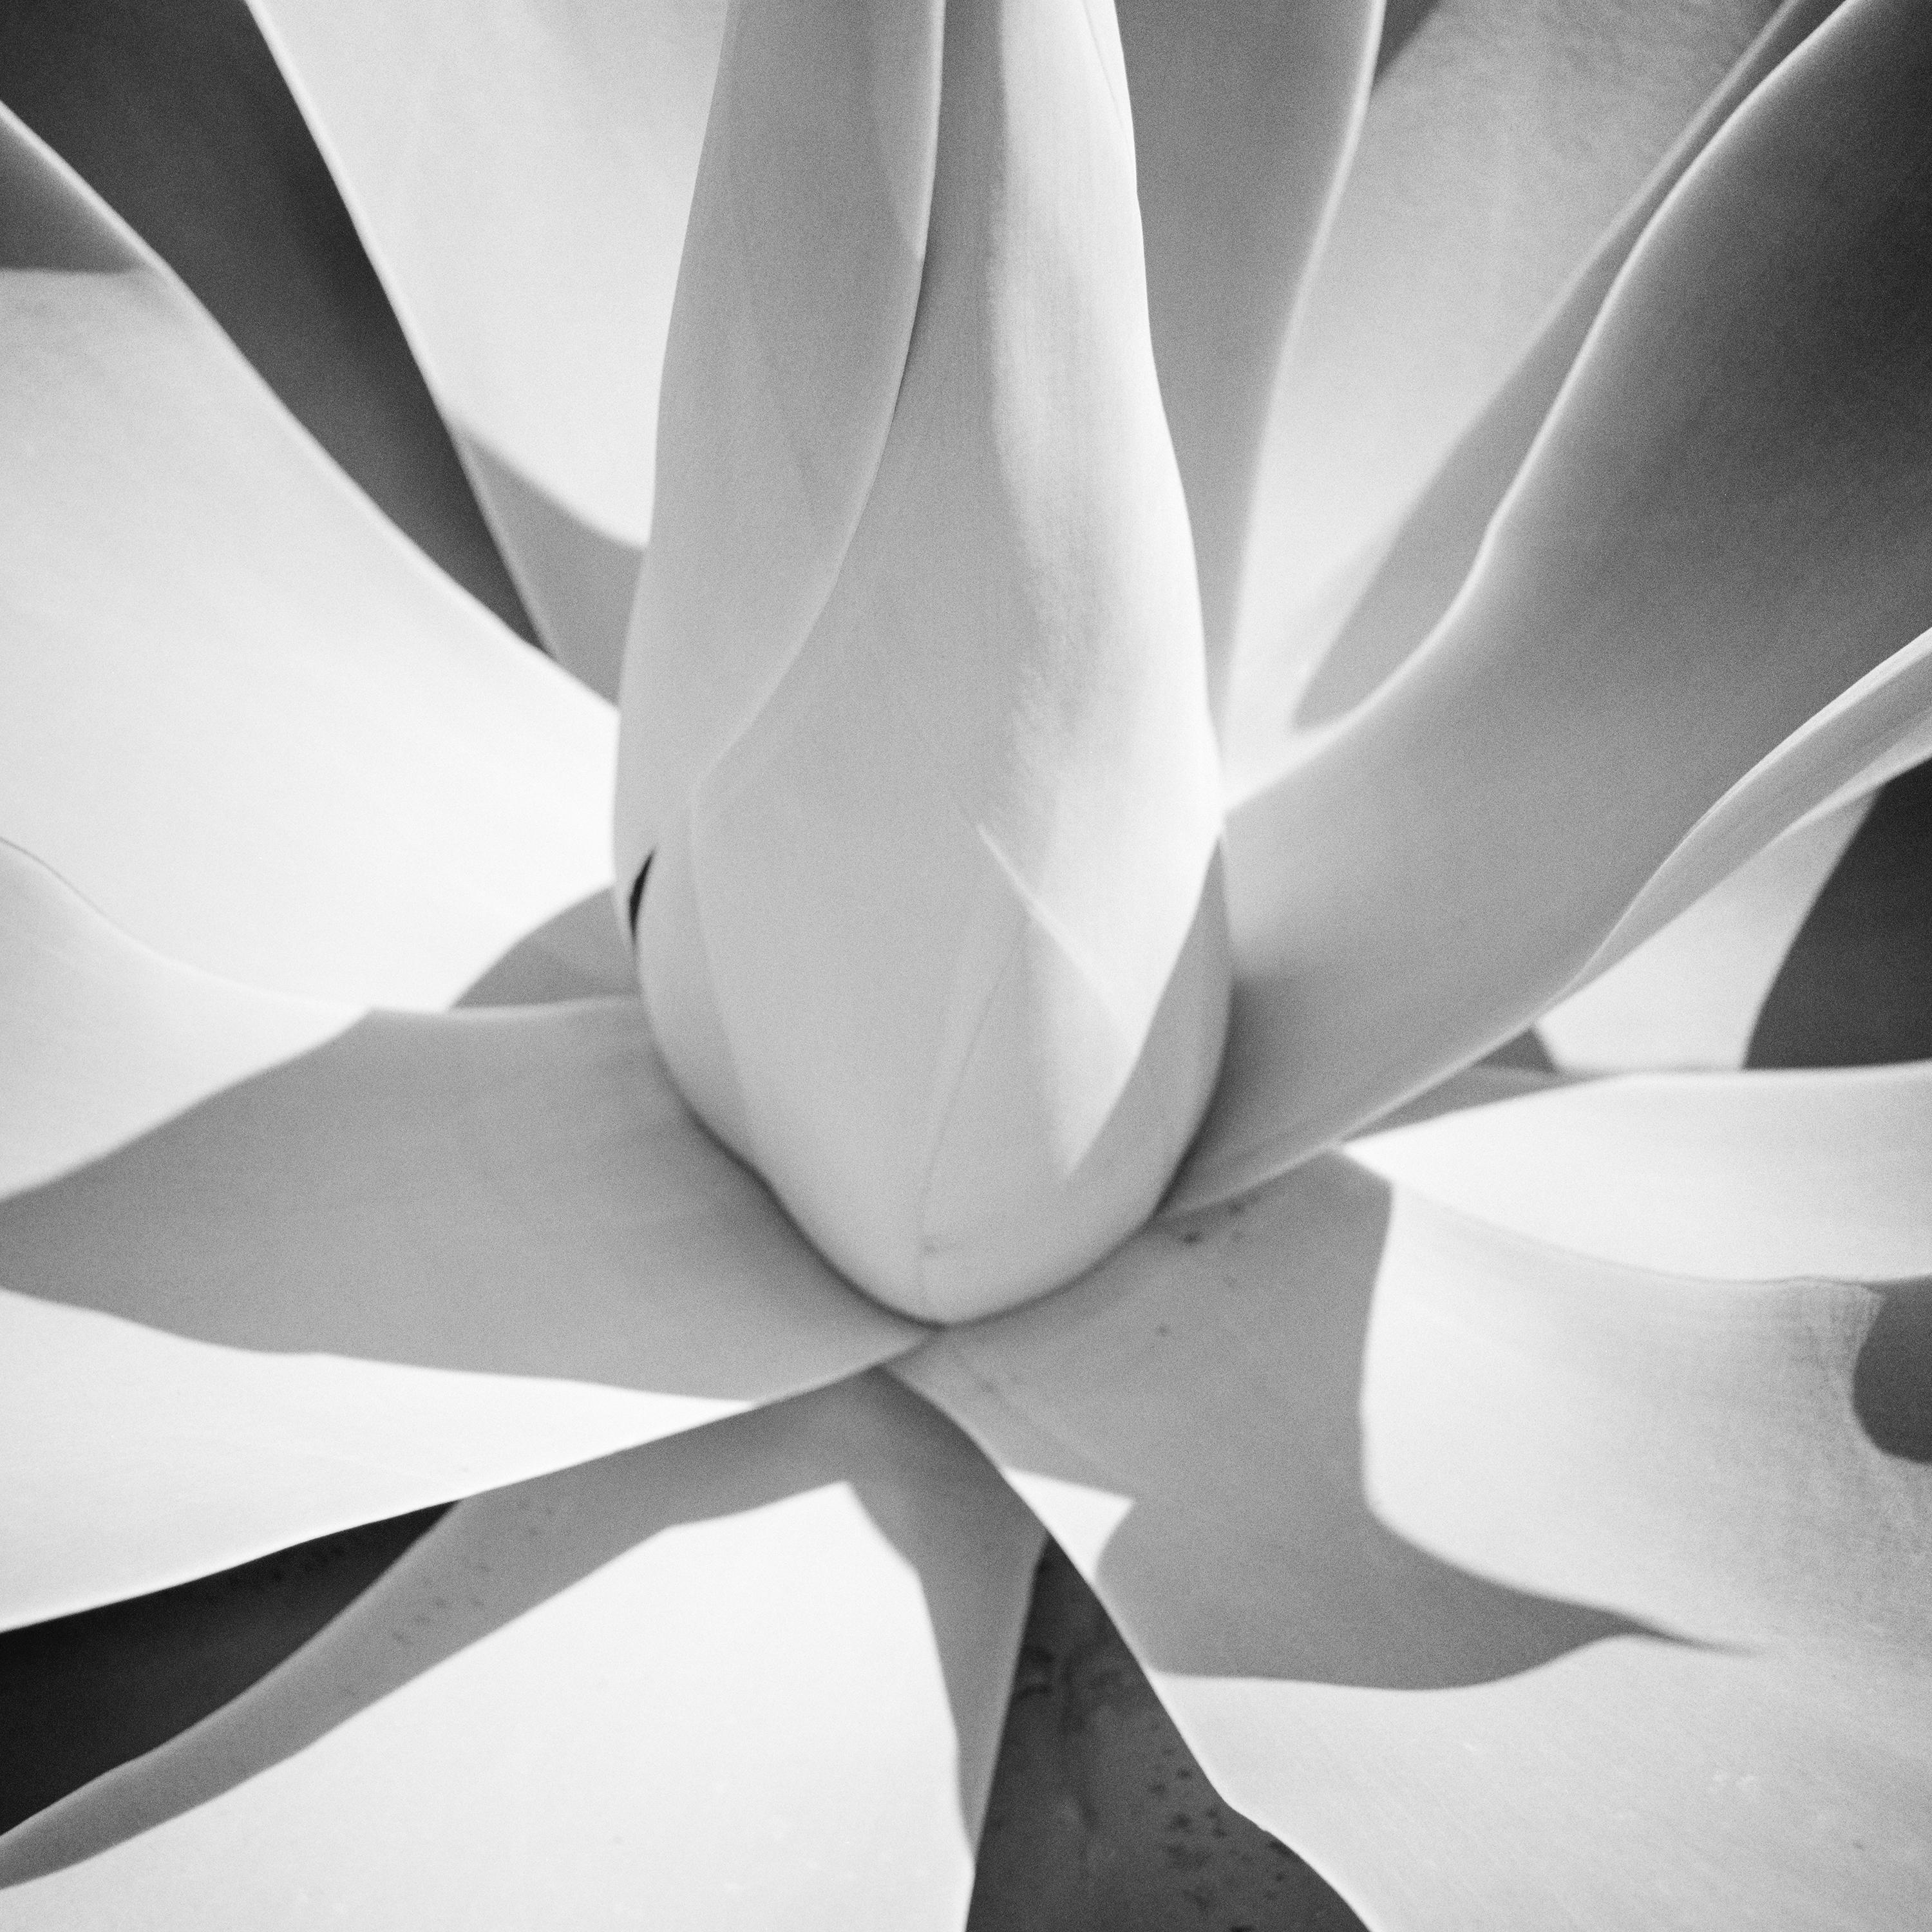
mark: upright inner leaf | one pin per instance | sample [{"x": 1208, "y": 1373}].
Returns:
[{"x": 917, "y": 743}]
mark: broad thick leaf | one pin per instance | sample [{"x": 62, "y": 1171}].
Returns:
[
  {"x": 1440, "y": 531},
  {"x": 522, "y": 172},
  {"x": 1736, "y": 1177},
  {"x": 86, "y": 1693},
  {"x": 786, "y": 348},
  {"x": 1690, "y": 995},
  {"x": 243, "y": 715},
  {"x": 933, "y": 931},
  {"x": 1499, "y": 146},
  {"x": 1834, "y": 758},
  {"x": 178, "y": 117},
  {"x": 1691, "y": 624},
  {"x": 1493, "y": 1578},
  {"x": 1244, "y": 118},
  {"x": 277, "y": 1268},
  {"x": 753, "y": 1676}
]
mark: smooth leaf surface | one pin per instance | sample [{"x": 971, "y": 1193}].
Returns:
[
  {"x": 1499, "y": 145},
  {"x": 1512, "y": 1588},
  {"x": 937, "y": 941},
  {"x": 522, "y": 173},
  {"x": 88, "y": 1692},
  {"x": 753, "y": 1675},
  {"x": 1245, "y": 118},
  {"x": 1693, "y": 622},
  {"x": 1735, "y": 1177},
  {"x": 178, "y": 117},
  {"x": 1690, "y": 995},
  {"x": 787, "y": 347},
  {"x": 276, "y": 1268},
  {"x": 1440, "y": 531},
  {"x": 243, "y": 715}
]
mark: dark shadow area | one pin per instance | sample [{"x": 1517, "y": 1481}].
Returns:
[
  {"x": 1526, "y": 1053},
  {"x": 580, "y": 954},
  {"x": 1291, "y": 1574},
  {"x": 1891, "y": 1385},
  {"x": 1856, "y": 987},
  {"x": 175, "y": 112},
  {"x": 40, "y": 228},
  {"x": 579, "y": 582},
  {"x": 1402, "y": 19},
  {"x": 513, "y": 1193},
  {"x": 1419, "y": 576},
  {"x": 86, "y": 1693},
  {"x": 634, "y": 900},
  {"x": 1100, "y": 1819}
]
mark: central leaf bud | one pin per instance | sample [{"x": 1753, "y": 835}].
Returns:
[{"x": 918, "y": 792}]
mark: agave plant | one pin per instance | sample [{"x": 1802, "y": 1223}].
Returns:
[{"x": 1262, "y": 769}]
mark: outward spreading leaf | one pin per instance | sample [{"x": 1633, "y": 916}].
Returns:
[
  {"x": 1534, "y": 1588},
  {"x": 752, "y": 1676},
  {"x": 1718, "y": 536},
  {"x": 242, "y": 716},
  {"x": 273, "y": 1267},
  {"x": 1437, "y": 534},
  {"x": 1495, "y": 160},
  {"x": 521, "y": 172}
]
